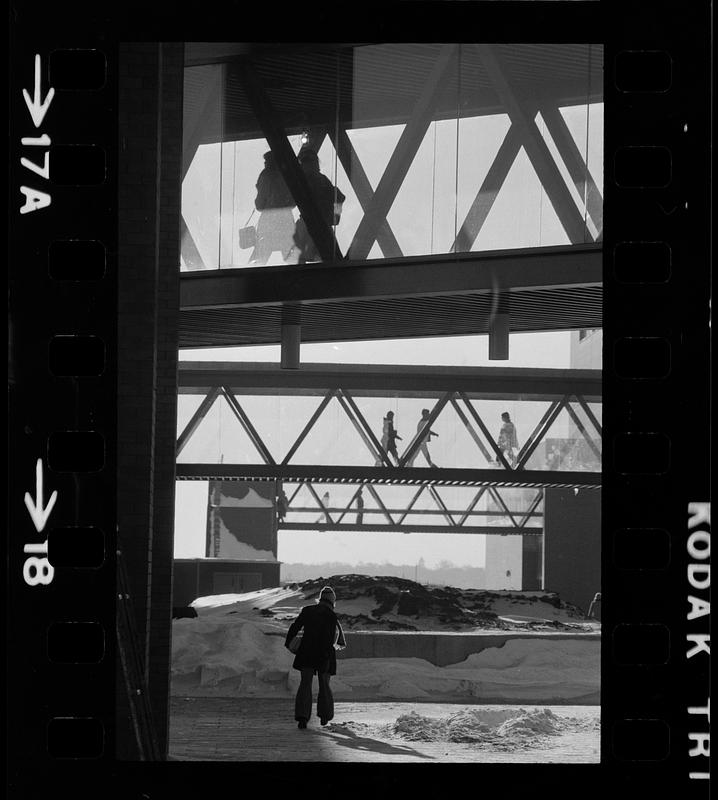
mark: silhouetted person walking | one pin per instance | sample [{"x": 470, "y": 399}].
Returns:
[
  {"x": 507, "y": 440},
  {"x": 316, "y": 655},
  {"x": 426, "y": 438},
  {"x": 325, "y": 503},
  {"x": 328, "y": 200},
  {"x": 275, "y": 228},
  {"x": 360, "y": 507},
  {"x": 389, "y": 436},
  {"x": 282, "y": 504}
]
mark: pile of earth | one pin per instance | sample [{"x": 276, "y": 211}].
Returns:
[{"x": 392, "y": 603}]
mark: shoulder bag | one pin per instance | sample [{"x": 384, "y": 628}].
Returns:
[{"x": 247, "y": 235}]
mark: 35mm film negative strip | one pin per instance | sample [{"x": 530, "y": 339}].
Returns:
[{"x": 131, "y": 146}]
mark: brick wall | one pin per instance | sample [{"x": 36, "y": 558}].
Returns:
[{"x": 149, "y": 166}]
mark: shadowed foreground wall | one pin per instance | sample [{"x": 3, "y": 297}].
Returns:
[
  {"x": 572, "y": 544},
  {"x": 149, "y": 177}
]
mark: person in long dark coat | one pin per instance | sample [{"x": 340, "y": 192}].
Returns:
[
  {"x": 328, "y": 199},
  {"x": 322, "y": 637},
  {"x": 275, "y": 228}
]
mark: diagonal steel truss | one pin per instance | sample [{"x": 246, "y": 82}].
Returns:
[
  {"x": 374, "y": 226},
  {"x": 488, "y": 446},
  {"x": 392, "y": 518}
]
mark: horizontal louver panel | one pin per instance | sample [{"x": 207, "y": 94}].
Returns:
[{"x": 393, "y": 318}]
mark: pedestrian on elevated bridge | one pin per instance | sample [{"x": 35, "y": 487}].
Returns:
[
  {"x": 275, "y": 229},
  {"x": 425, "y": 439},
  {"x": 389, "y": 437},
  {"x": 507, "y": 441},
  {"x": 328, "y": 200},
  {"x": 360, "y": 507}
]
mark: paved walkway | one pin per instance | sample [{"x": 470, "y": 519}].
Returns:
[{"x": 260, "y": 729}]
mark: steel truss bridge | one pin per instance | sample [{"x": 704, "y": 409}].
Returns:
[
  {"x": 408, "y": 517},
  {"x": 497, "y": 497}
]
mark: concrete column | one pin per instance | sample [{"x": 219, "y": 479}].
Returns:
[
  {"x": 499, "y": 337},
  {"x": 291, "y": 340},
  {"x": 291, "y": 337}
]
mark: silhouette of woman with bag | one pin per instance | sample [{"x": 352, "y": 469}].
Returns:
[{"x": 274, "y": 201}]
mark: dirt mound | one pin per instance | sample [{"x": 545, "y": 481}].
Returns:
[
  {"x": 392, "y": 603},
  {"x": 400, "y": 597}
]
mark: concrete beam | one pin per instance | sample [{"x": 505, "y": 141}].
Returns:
[
  {"x": 372, "y": 380},
  {"x": 490, "y": 271}
]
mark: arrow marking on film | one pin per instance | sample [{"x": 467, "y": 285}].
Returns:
[
  {"x": 36, "y": 105},
  {"x": 39, "y": 514}
]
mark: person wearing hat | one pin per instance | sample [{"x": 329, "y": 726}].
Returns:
[
  {"x": 316, "y": 655},
  {"x": 327, "y": 198}
]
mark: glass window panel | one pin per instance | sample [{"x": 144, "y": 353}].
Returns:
[
  {"x": 428, "y": 125},
  {"x": 201, "y": 169},
  {"x": 418, "y": 190},
  {"x": 512, "y": 207}
]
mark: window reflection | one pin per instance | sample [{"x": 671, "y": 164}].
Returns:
[{"x": 391, "y": 150}]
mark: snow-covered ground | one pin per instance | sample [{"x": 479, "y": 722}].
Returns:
[
  {"x": 262, "y": 729},
  {"x": 235, "y": 648},
  {"x": 507, "y": 728}
]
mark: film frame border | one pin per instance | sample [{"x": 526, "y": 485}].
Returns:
[{"x": 656, "y": 598}]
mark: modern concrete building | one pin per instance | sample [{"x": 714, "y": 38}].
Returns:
[
  {"x": 573, "y": 518},
  {"x": 241, "y": 544},
  {"x": 587, "y": 348}
]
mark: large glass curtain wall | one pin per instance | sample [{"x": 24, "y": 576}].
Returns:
[{"x": 421, "y": 149}]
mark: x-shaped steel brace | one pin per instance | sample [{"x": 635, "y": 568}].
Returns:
[
  {"x": 536, "y": 148},
  {"x": 403, "y": 155},
  {"x": 293, "y": 174},
  {"x": 423, "y": 434}
]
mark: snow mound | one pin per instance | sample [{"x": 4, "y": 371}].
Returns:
[
  {"x": 234, "y": 647},
  {"x": 511, "y": 728},
  {"x": 523, "y": 670},
  {"x": 232, "y": 655},
  {"x": 212, "y": 651},
  {"x": 417, "y": 728},
  {"x": 242, "y": 603}
]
